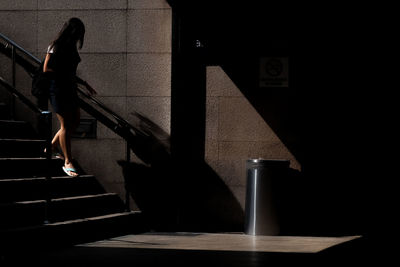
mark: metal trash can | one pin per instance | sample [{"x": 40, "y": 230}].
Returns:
[{"x": 260, "y": 208}]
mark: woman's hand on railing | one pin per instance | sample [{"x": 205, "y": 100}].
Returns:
[{"x": 90, "y": 89}]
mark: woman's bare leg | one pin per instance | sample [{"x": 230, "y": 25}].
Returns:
[
  {"x": 74, "y": 124},
  {"x": 67, "y": 124},
  {"x": 55, "y": 142}
]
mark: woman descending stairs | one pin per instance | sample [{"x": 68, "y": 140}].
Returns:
[{"x": 37, "y": 212}]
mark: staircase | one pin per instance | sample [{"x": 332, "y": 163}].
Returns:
[{"x": 77, "y": 209}]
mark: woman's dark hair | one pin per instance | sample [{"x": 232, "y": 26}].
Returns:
[{"x": 72, "y": 32}]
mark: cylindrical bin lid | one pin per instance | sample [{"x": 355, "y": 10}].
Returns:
[
  {"x": 261, "y": 216},
  {"x": 260, "y": 162}
]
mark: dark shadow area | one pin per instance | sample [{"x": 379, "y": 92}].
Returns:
[
  {"x": 199, "y": 201},
  {"x": 174, "y": 195}
]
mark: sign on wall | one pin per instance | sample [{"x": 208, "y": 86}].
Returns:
[{"x": 274, "y": 72}]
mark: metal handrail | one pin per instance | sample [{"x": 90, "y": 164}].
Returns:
[
  {"x": 11, "y": 42},
  {"x": 121, "y": 121}
]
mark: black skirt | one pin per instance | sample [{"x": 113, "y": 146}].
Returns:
[{"x": 63, "y": 96}]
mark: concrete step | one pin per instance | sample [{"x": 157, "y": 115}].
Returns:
[
  {"x": 10, "y": 129},
  {"x": 29, "y": 167},
  {"x": 25, "y": 189},
  {"x": 72, "y": 232},
  {"x": 21, "y": 214},
  {"x": 78, "y": 207},
  {"x": 21, "y": 148},
  {"x": 31, "y": 213}
]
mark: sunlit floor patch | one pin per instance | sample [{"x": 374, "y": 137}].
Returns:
[{"x": 223, "y": 242}]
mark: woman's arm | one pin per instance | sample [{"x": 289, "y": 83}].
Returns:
[{"x": 46, "y": 62}]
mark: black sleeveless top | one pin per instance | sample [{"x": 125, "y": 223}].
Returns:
[{"x": 64, "y": 62}]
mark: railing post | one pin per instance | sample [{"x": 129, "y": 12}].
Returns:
[
  {"x": 46, "y": 118},
  {"x": 13, "y": 69},
  {"x": 128, "y": 160}
]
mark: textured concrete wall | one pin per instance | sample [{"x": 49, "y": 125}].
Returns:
[
  {"x": 126, "y": 58},
  {"x": 236, "y": 132},
  {"x": 18, "y": 20}
]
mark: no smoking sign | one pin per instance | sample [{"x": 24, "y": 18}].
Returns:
[{"x": 274, "y": 72}]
